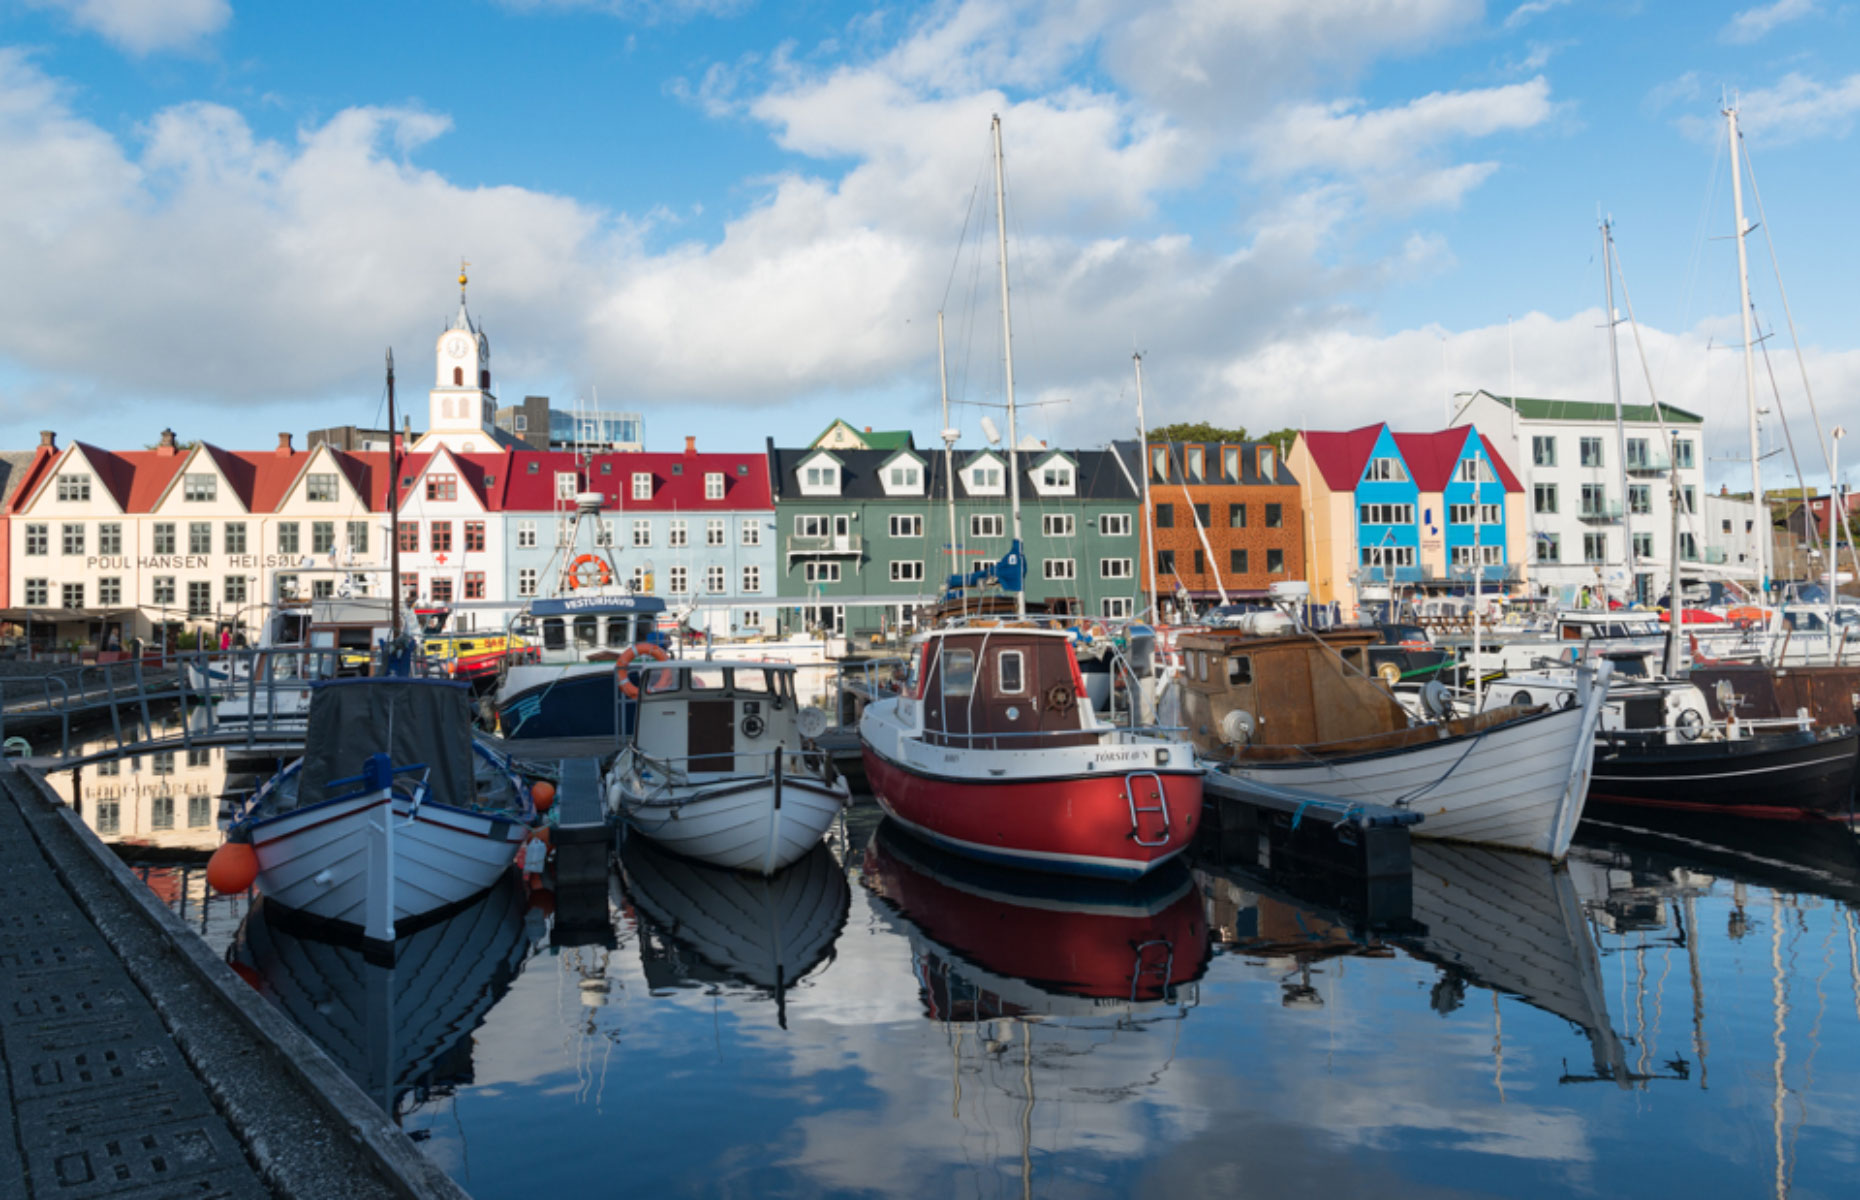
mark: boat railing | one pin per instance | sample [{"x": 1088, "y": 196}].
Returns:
[
  {"x": 669, "y": 775},
  {"x": 1032, "y": 738}
]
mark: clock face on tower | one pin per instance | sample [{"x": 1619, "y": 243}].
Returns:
[{"x": 458, "y": 346}]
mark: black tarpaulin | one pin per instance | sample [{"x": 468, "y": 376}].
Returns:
[{"x": 411, "y": 720}]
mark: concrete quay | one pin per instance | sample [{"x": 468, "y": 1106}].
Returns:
[{"x": 135, "y": 1064}]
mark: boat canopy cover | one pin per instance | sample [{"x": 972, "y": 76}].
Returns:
[
  {"x": 411, "y": 720},
  {"x": 562, "y": 606}
]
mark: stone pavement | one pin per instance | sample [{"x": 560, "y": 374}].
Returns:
[{"x": 128, "y": 1070}]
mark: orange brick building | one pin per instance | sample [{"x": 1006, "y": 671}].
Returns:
[{"x": 1250, "y": 518}]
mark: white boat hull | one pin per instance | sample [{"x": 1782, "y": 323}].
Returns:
[
  {"x": 758, "y": 825},
  {"x": 327, "y": 859},
  {"x": 1520, "y": 785}
]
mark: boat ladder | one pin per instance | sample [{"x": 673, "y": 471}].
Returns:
[
  {"x": 1159, "y": 973},
  {"x": 1137, "y": 810}
]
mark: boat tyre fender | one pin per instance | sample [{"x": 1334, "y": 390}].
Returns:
[
  {"x": 1059, "y": 698},
  {"x": 1690, "y": 724},
  {"x": 753, "y": 726},
  {"x": 627, "y": 687}
]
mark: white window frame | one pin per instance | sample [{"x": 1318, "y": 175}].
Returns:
[
  {"x": 981, "y": 523},
  {"x": 1117, "y": 608},
  {"x": 642, "y": 532},
  {"x": 752, "y": 580},
  {"x": 1059, "y": 568},
  {"x": 1113, "y": 524},
  {"x": 678, "y": 535},
  {"x": 752, "y": 531},
  {"x": 526, "y": 581},
  {"x": 526, "y": 537},
  {"x": 715, "y": 580},
  {"x": 906, "y": 525},
  {"x": 1115, "y": 568},
  {"x": 716, "y": 533},
  {"x": 642, "y": 485},
  {"x": 678, "y": 580},
  {"x": 907, "y": 570},
  {"x": 820, "y": 572},
  {"x": 713, "y": 485},
  {"x": 1058, "y": 524}
]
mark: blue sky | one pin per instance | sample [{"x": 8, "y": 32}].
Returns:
[{"x": 741, "y": 218}]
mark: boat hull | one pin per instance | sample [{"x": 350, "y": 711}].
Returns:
[
  {"x": 1074, "y": 824},
  {"x": 562, "y": 702},
  {"x": 758, "y": 825},
  {"x": 1520, "y": 785},
  {"x": 1805, "y": 775}
]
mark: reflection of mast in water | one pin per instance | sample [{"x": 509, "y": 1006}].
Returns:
[
  {"x": 1779, "y": 1004},
  {"x": 587, "y": 965}
]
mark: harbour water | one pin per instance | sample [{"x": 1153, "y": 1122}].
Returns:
[{"x": 1672, "y": 1013}]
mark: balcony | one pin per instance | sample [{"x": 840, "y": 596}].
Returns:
[
  {"x": 1375, "y": 575},
  {"x": 1600, "y": 510},
  {"x": 1654, "y": 462},
  {"x": 1715, "y": 555},
  {"x": 826, "y": 545}
]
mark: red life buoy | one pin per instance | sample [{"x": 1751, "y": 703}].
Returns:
[
  {"x": 650, "y": 650},
  {"x": 579, "y": 576}
]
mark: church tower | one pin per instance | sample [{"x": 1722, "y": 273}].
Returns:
[{"x": 461, "y": 411}]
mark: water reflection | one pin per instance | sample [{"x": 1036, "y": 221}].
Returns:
[{"x": 401, "y": 1030}]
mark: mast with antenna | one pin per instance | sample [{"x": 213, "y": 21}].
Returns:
[
  {"x": 1762, "y": 525},
  {"x": 957, "y": 563},
  {"x": 393, "y": 492},
  {"x": 1143, "y": 464},
  {"x": 1614, "y": 376},
  {"x": 1007, "y": 353}
]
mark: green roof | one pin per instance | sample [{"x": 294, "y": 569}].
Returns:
[
  {"x": 1532, "y": 409},
  {"x": 881, "y": 439}
]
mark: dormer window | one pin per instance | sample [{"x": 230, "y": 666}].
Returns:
[
  {"x": 203, "y": 488},
  {"x": 819, "y": 475},
  {"x": 74, "y": 487},
  {"x": 1197, "y": 463},
  {"x": 1268, "y": 462},
  {"x": 1473, "y": 470},
  {"x": 1230, "y": 463},
  {"x": 713, "y": 485},
  {"x": 565, "y": 485},
  {"x": 984, "y": 477},
  {"x": 1159, "y": 463},
  {"x": 1385, "y": 470},
  {"x": 642, "y": 485},
  {"x": 905, "y": 477}
]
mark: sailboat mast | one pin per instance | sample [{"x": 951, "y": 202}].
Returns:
[
  {"x": 1143, "y": 465},
  {"x": 1761, "y": 527},
  {"x": 393, "y": 499},
  {"x": 1614, "y": 375},
  {"x": 949, "y": 450},
  {"x": 1007, "y": 355}
]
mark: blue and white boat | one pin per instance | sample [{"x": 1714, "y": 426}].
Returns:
[{"x": 572, "y": 688}]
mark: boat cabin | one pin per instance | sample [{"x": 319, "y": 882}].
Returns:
[
  {"x": 1583, "y": 626},
  {"x": 723, "y": 717},
  {"x": 1000, "y": 688},
  {"x": 592, "y": 628}
]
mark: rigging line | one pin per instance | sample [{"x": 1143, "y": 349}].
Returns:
[
  {"x": 1782, "y": 418},
  {"x": 1689, "y": 517},
  {"x": 956, "y": 260},
  {"x": 1699, "y": 239}
]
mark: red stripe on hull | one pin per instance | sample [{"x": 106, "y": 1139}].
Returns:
[
  {"x": 1073, "y": 825},
  {"x": 1764, "y": 812}
]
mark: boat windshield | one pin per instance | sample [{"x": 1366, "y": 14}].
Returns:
[{"x": 748, "y": 679}]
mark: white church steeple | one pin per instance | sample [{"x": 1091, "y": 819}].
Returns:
[{"x": 461, "y": 412}]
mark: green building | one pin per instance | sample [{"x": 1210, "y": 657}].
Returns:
[{"x": 864, "y": 538}]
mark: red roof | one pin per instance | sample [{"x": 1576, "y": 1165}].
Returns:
[
  {"x": 677, "y": 480},
  {"x": 1431, "y": 457},
  {"x": 1501, "y": 466},
  {"x": 1342, "y": 456}
]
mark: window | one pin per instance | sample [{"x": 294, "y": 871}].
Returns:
[
  {"x": 752, "y": 581},
  {"x": 474, "y": 585},
  {"x": 1057, "y": 524},
  {"x": 358, "y": 537},
  {"x": 1688, "y": 547},
  {"x": 320, "y": 488},
  {"x": 1689, "y": 500},
  {"x": 1594, "y": 500},
  {"x": 984, "y": 480},
  {"x": 1236, "y": 516},
  {"x": 1236, "y": 562},
  {"x": 1201, "y": 516},
  {"x": 1637, "y": 455},
  {"x": 642, "y": 485},
  {"x": 1682, "y": 453},
  {"x": 678, "y": 533},
  {"x": 526, "y": 538},
  {"x": 162, "y": 539},
  {"x": 442, "y": 487},
  {"x": 109, "y": 813},
  {"x": 161, "y": 591},
  {"x": 750, "y": 618},
  {"x": 1056, "y": 478},
  {"x": 199, "y": 537},
  {"x": 642, "y": 532},
  {"x": 199, "y": 598},
  {"x": 441, "y": 590},
  {"x": 1114, "y": 524},
  {"x": 1473, "y": 470},
  {"x": 287, "y": 584},
  {"x": 161, "y": 811},
  {"x": 37, "y": 537},
  {"x": 1549, "y": 548},
  {"x": 713, "y": 531},
  {"x": 1385, "y": 470},
  {"x": 1471, "y": 514},
  {"x": 1643, "y": 545},
  {"x": 198, "y": 806},
  {"x": 752, "y": 532},
  {"x": 824, "y": 572},
  {"x": 1159, "y": 463},
  {"x": 1385, "y": 514},
  {"x": 110, "y": 591},
  {"x": 1387, "y": 556},
  {"x": 37, "y": 592},
  {"x": 1275, "y": 562},
  {"x": 1230, "y": 463},
  {"x": 566, "y": 485},
  {"x": 1010, "y": 672},
  {"x": 74, "y": 487},
  {"x": 200, "y": 487},
  {"x": 907, "y": 571},
  {"x": 957, "y": 668},
  {"x": 1543, "y": 451},
  {"x": 679, "y": 578},
  {"x": 714, "y": 579},
  {"x": 1197, "y": 461},
  {"x": 1165, "y": 516},
  {"x": 1640, "y": 498},
  {"x": 526, "y": 581},
  {"x": 1275, "y": 516},
  {"x": 73, "y": 539},
  {"x": 1116, "y": 608},
  {"x": 1059, "y": 568},
  {"x": 1114, "y": 568},
  {"x": 1543, "y": 497},
  {"x": 987, "y": 525},
  {"x": 1201, "y": 563},
  {"x": 1165, "y": 562},
  {"x": 322, "y": 589},
  {"x": 713, "y": 485},
  {"x": 1591, "y": 452},
  {"x": 439, "y": 538},
  {"x": 110, "y": 538},
  {"x": 72, "y": 595},
  {"x": 406, "y": 535},
  {"x": 1594, "y": 547},
  {"x": 906, "y": 526},
  {"x": 287, "y": 536},
  {"x": 1727, "y": 524},
  {"x": 232, "y": 589},
  {"x": 813, "y": 526},
  {"x": 642, "y": 580},
  {"x": 1269, "y": 461}
]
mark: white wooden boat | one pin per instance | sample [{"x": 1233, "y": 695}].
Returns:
[
  {"x": 1302, "y": 711},
  {"x": 717, "y": 768},
  {"x": 394, "y": 814}
]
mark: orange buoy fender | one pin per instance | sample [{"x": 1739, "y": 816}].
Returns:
[
  {"x": 542, "y": 795},
  {"x": 233, "y": 868},
  {"x": 650, "y": 650}
]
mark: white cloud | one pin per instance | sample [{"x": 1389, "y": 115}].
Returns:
[
  {"x": 1530, "y": 11},
  {"x": 145, "y": 26},
  {"x": 646, "y": 12},
  {"x": 1341, "y": 136},
  {"x": 1753, "y": 24},
  {"x": 1799, "y": 108}
]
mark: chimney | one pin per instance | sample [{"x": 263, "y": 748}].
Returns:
[
  {"x": 284, "y": 445},
  {"x": 868, "y": 429},
  {"x": 48, "y": 438},
  {"x": 167, "y": 443},
  {"x": 690, "y": 443}
]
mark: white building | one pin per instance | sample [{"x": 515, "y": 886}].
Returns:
[
  {"x": 461, "y": 409},
  {"x": 1600, "y": 518}
]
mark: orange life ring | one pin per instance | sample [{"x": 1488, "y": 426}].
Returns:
[
  {"x": 650, "y": 649},
  {"x": 601, "y": 578}
]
